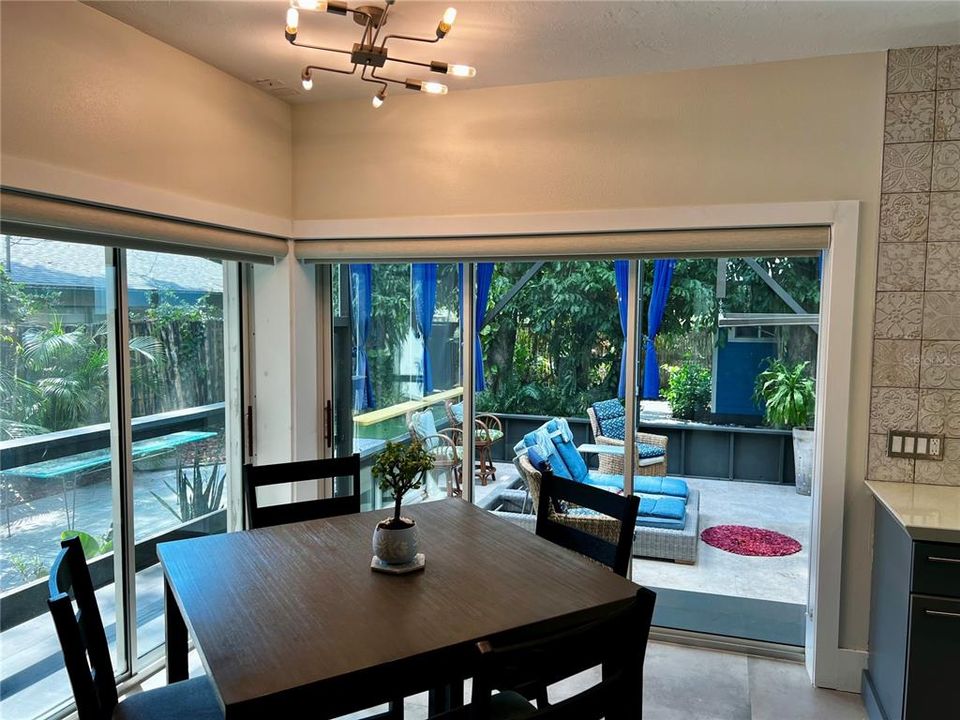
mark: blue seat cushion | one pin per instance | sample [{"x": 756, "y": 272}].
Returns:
[
  {"x": 539, "y": 461},
  {"x": 646, "y": 451},
  {"x": 541, "y": 441},
  {"x": 642, "y": 484},
  {"x": 659, "y": 512}
]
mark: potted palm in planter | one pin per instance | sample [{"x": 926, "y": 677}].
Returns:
[
  {"x": 399, "y": 469},
  {"x": 788, "y": 395}
]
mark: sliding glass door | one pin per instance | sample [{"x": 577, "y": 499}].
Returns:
[
  {"x": 396, "y": 369},
  {"x": 113, "y": 430}
]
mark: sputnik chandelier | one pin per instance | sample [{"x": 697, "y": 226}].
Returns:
[{"x": 371, "y": 53}]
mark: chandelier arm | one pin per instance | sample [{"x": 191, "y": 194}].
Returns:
[
  {"x": 330, "y": 69},
  {"x": 408, "y": 37},
  {"x": 383, "y": 21},
  {"x": 408, "y": 62},
  {"x": 318, "y": 47},
  {"x": 384, "y": 78},
  {"x": 363, "y": 76}
]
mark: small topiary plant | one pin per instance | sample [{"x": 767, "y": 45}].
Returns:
[
  {"x": 688, "y": 390},
  {"x": 399, "y": 469}
]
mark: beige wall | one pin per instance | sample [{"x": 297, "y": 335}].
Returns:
[
  {"x": 791, "y": 131},
  {"x": 86, "y": 94}
]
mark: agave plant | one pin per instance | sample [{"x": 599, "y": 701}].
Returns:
[
  {"x": 196, "y": 495},
  {"x": 788, "y": 394}
]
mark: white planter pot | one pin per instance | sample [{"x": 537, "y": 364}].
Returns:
[
  {"x": 396, "y": 547},
  {"x": 803, "y": 445}
]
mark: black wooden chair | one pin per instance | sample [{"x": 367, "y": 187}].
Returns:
[
  {"x": 616, "y": 643},
  {"x": 87, "y": 655},
  {"x": 258, "y": 476},
  {"x": 578, "y": 517}
]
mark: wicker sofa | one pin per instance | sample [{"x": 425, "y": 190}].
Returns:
[
  {"x": 611, "y": 464},
  {"x": 679, "y": 545}
]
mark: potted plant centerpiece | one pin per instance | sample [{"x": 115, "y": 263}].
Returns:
[
  {"x": 399, "y": 469},
  {"x": 788, "y": 394}
]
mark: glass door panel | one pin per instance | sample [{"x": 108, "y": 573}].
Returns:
[
  {"x": 55, "y": 450},
  {"x": 396, "y": 369},
  {"x": 550, "y": 343},
  {"x": 177, "y": 396}
]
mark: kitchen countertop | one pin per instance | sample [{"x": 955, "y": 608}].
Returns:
[{"x": 927, "y": 512}]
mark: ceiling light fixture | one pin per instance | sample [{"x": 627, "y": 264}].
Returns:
[{"x": 371, "y": 53}]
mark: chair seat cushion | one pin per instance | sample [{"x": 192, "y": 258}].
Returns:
[
  {"x": 192, "y": 699},
  {"x": 510, "y": 705},
  {"x": 490, "y": 435},
  {"x": 645, "y": 450},
  {"x": 642, "y": 484},
  {"x": 445, "y": 452}
]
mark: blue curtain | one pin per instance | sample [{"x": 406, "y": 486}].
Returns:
[
  {"x": 361, "y": 295},
  {"x": 484, "y": 281},
  {"x": 662, "y": 275},
  {"x": 424, "y": 305},
  {"x": 621, "y": 273}
]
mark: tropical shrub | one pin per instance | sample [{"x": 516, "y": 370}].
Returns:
[
  {"x": 688, "y": 390},
  {"x": 197, "y": 495},
  {"x": 788, "y": 393}
]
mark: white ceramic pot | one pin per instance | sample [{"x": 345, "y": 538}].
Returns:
[
  {"x": 396, "y": 547},
  {"x": 803, "y": 444}
]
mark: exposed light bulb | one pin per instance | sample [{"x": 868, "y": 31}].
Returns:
[
  {"x": 433, "y": 88},
  {"x": 306, "y": 80},
  {"x": 461, "y": 70},
  {"x": 293, "y": 20},
  {"x": 310, "y": 5},
  {"x": 378, "y": 99},
  {"x": 446, "y": 22}
]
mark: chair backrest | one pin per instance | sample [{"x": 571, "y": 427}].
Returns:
[
  {"x": 423, "y": 427},
  {"x": 607, "y": 419},
  {"x": 83, "y": 641},
  {"x": 617, "y": 642},
  {"x": 557, "y": 491},
  {"x": 454, "y": 412},
  {"x": 258, "y": 476}
]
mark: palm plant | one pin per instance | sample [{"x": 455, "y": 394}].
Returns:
[
  {"x": 788, "y": 394},
  {"x": 197, "y": 495}
]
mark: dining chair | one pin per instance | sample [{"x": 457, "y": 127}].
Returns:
[
  {"x": 86, "y": 655},
  {"x": 577, "y": 516},
  {"x": 508, "y": 674},
  {"x": 259, "y": 476}
]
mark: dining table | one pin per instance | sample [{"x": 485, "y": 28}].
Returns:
[{"x": 291, "y": 620}]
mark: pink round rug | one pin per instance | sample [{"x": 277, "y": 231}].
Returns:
[{"x": 755, "y": 542}]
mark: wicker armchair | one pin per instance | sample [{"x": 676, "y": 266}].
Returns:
[
  {"x": 613, "y": 464},
  {"x": 446, "y": 446},
  {"x": 601, "y": 526}
]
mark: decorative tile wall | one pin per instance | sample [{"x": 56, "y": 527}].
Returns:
[{"x": 916, "y": 351}]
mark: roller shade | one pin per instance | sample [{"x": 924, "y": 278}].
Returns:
[
  {"x": 732, "y": 242},
  {"x": 55, "y": 219}
]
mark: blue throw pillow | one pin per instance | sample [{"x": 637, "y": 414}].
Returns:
[{"x": 539, "y": 461}]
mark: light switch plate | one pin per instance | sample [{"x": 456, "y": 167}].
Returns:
[{"x": 914, "y": 445}]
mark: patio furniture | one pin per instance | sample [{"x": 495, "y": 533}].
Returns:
[
  {"x": 607, "y": 422},
  {"x": 259, "y": 476},
  {"x": 446, "y": 446},
  {"x": 68, "y": 469},
  {"x": 341, "y": 638},
  {"x": 86, "y": 655},
  {"x": 679, "y": 544},
  {"x": 489, "y": 430},
  {"x": 617, "y": 642},
  {"x": 559, "y": 496},
  {"x": 554, "y": 441}
]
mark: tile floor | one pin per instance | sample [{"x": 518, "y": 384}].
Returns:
[{"x": 685, "y": 683}]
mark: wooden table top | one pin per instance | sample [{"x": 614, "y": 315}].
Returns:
[{"x": 285, "y": 610}]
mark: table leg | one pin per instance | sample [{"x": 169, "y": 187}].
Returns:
[
  {"x": 445, "y": 697},
  {"x": 176, "y": 638}
]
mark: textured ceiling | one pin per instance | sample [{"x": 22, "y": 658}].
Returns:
[{"x": 514, "y": 43}]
